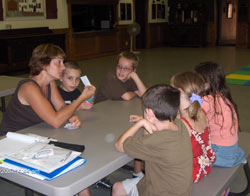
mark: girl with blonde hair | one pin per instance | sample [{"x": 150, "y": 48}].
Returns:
[{"x": 192, "y": 86}]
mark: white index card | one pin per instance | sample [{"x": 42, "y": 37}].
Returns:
[{"x": 85, "y": 81}]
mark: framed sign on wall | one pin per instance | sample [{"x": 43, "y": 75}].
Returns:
[{"x": 24, "y": 8}]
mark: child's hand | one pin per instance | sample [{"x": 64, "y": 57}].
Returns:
[
  {"x": 88, "y": 91},
  {"x": 75, "y": 121},
  {"x": 135, "y": 118},
  {"x": 149, "y": 127},
  {"x": 86, "y": 105},
  {"x": 133, "y": 75}
]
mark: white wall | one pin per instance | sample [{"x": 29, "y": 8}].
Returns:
[{"x": 31, "y": 22}]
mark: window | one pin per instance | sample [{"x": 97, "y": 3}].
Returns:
[
  {"x": 125, "y": 11},
  {"x": 157, "y": 11},
  {"x": 92, "y": 17},
  {"x": 230, "y": 10}
]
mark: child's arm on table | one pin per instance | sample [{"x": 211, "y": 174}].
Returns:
[
  {"x": 128, "y": 95},
  {"x": 85, "y": 105},
  {"x": 132, "y": 130},
  {"x": 141, "y": 87},
  {"x": 135, "y": 118},
  {"x": 30, "y": 94}
]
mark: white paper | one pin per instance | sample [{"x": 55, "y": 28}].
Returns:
[
  {"x": 22, "y": 148},
  {"x": 69, "y": 126},
  {"x": 21, "y": 137},
  {"x": 85, "y": 81},
  {"x": 41, "y": 138},
  {"x": 10, "y": 146},
  {"x": 47, "y": 164},
  {"x": 27, "y": 138},
  {"x": 34, "y": 151}
]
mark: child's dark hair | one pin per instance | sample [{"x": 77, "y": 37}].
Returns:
[
  {"x": 71, "y": 65},
  {"x": 164, "y": 100},
  {"x": 214, "y": 75}
]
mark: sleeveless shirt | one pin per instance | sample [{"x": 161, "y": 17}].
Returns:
[
  {"x": 18, "y": 116},
  {"x": 203, "y": 155}
]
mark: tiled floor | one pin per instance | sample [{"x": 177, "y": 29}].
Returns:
[{"x": 157, "y": 66}]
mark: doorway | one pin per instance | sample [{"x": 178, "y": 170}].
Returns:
[{"x": 227, "y": 22}]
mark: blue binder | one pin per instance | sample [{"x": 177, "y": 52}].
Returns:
[{"x": 55, "y": 173}]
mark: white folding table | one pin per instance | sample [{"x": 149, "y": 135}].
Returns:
[{"x": 101, "y": 126}]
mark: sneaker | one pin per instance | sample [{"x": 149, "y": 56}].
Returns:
[
  {"x": 136, "y": 175},
  {"x": 104, "y": 183}
]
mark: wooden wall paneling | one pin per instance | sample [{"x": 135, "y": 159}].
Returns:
[
  {"x": 154, "y": 35},
  {"x": 88, "y": 44},
  {"x": 148, "y": 35},
  {"x": 4, "y": 68},
  {"x": 209, "y": 9},
  {"x": 158, "y": 32},
  {"x": 3, "y": 57},
  {"x": 1, "y": 10},
  {"x": 51, "y": 9},
  {"x": 83, "y": 46},
  {"x": 91, "y": 2},
  {"x": 69, "y": 34},
  {"x": 20, "y": 56},
  {"x": 211, "y": 34},
  {"x": 163, "y": 33},
  {"x": 192, "y": 35},
  {"x": 242, "y": 35},
  {"x": 147, "y": 27},
  {"x": 243, "y": 10},
  {"x": 93, "y": 44},
  {"x": 141, "y": 16},
  {"x": 124, "y": 38},
  {"x": 248, "y": 41},
  {"x": 17, "y": 46},
  {"x": 4, "y": 60},
  {"x": 211, "y": 26},
  {"x": 108, "y": 42},
  {"x": 64, "y": 31}
]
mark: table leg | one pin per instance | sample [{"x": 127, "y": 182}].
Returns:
[
  {"x": 29, "y": 192},
  {"x": 2, "y": 108}
]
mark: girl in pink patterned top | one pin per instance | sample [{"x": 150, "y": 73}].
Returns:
[
  {"x": 192, "y": 87},
  {"x": 222, "y": 115}
]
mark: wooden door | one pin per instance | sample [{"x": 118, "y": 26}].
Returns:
[{"x": 227, "y": 22}]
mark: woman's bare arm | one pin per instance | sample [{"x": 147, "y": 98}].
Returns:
[{"x": 30, "y": 94}]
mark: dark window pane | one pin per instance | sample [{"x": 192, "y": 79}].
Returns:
[
  {"x": 92, "y": 17},
  {"x": 153, "y": 11},
  {"x": 160, "y": 11},
  {"x": 122, "y": 11},
  {"x": 129, "y": 14}
]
